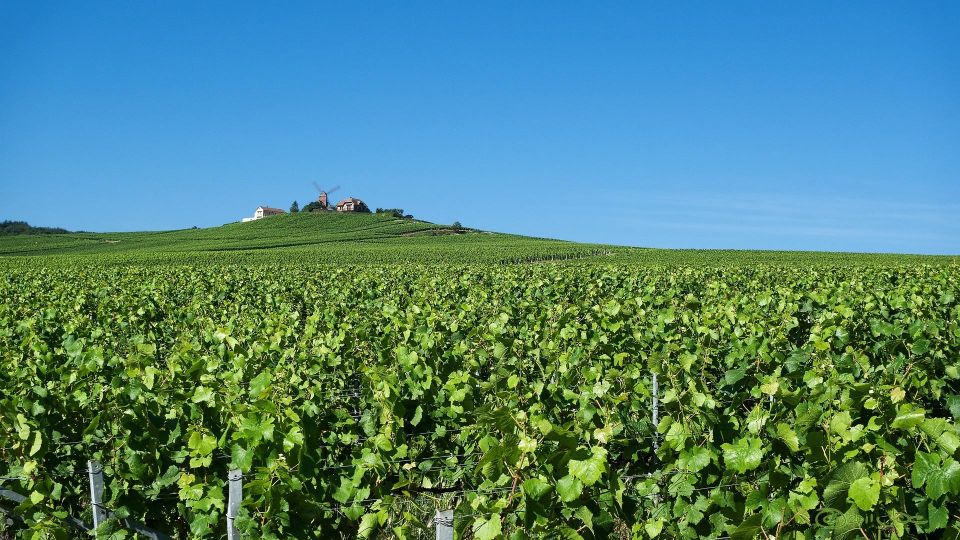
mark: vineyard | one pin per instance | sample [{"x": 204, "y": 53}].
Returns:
[
  {"x": 297, "y": 238},
  {"x": 794, "y": 401}
]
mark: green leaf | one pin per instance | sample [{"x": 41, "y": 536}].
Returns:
[
  {"x": 676, "y": 436},
  {"x": 589, "y": 470},
  {"x": 203, "y": 394},
  {"x": 417, "y": 416},
  {"x": 294, "y": 439},
  {"x": 748, "y": 529},
  {"x": 789, "y": 437},
  {"x": 260, "y": 384},
  {"x": 36, "y": 497},
  {"x": 943, "y": 433},
  {"x": 653, "y": 527},
  {"x": 368, "y": 524},
  {"x": 202, "y": 443},
  {"x": 908, "y": 416},
  {"x": 586, "y": 516},
  {"x": 953, "y": 405},
  {"x": 733, "y": 376},
  {"x": 864, "y": 492},
  {"x": 937, "y": 517},
  {"x": 744, "y": 454},
  {"x": 848, "y": 524},
  {"x": 487, "y": 529},
  {"x": 939, "y": 479},
  {"x": 241, "y": 458},
  {"x": 345, "y": 491},
  {"x": 923, "y": 465},
  {"x": 840, "y": 423},
  {"x": 149, "y": 373},
  {"x": 37, "y": 443},
  {"x": 920, "y": 346},
  {"x": 835, "y": 493},
  {"x": 945, "y": 479},
  {"x": 695, "y": 459},
  {"x": 535, "y": 488},
  {"x": 569, "y": 488}
]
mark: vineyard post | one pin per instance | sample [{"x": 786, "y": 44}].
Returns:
[
  {"x": 235, "y": 492},
  {"x": 656, "y": 413},
  {"x": 444, "y": 522},
  {"x": 95, "y": 473}
]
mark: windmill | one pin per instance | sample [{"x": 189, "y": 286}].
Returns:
[{"x": 322, "y": 199}]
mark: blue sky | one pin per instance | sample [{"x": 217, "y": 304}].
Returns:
[{"x": 774, "y": 125}]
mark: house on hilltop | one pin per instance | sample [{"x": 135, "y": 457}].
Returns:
[
  {"x": 262, "y": 212},
  {"x": 351, "y": 204}
]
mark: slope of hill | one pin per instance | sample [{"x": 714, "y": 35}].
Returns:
[{"x": 303, "y": 237}]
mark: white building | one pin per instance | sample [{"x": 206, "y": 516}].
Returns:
[{"x": 262, "y": 212}]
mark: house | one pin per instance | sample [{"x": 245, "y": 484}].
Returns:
[
  {"x": 262, "y": 212},
  {"x": 351, "y": 204}
]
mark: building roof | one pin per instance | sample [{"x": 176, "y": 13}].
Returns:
[
  {"x": 354, "y": 200},
  {"x": 270, "y": 209}
]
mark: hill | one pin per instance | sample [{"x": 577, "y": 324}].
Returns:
[{"x": 301, "y": 237}]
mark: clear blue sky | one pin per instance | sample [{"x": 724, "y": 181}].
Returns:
[{"x": 778, "y": 125}]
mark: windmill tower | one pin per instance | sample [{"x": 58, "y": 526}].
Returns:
[{"x": 323, "y": 193}]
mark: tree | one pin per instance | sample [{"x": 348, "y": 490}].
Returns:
[
  {"x": 294, "y": 207},
  {"x": 313, "y": 207},
  {"x": 8, "y": 227},
  {"x": 457, "y": 225},
  {"x": 395, "y": 212}
]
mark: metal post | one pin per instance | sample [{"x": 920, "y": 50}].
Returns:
[
  {"x": 235, "y": 478},
  {"x": 444, "y": 522},
  {"x": 95, "y": 472},
  {"x": 656, "y": 413}
]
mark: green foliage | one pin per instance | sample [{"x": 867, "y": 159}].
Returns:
[
  {"x": 744, "y": 454},
  {"x": 313, "y": 206},
  {"x": 795, "y": 401},
  {"x": 395, "y": 212},
  {"x": 8, "y": 227}
]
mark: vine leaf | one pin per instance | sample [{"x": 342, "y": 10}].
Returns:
[
  {"x": 653, "y": 527},
  {"x": 938, "y": 478},
  {"x": 908, "y": 416},
  {"x": 590, "y": 469},
  {"x": 788, "y": 436},
  {"x": 487, "y": 529},
  {"x": 743, "y": 455},
  {"x": 865, "y": 492},
  {"x": 569, "y": 488}
]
